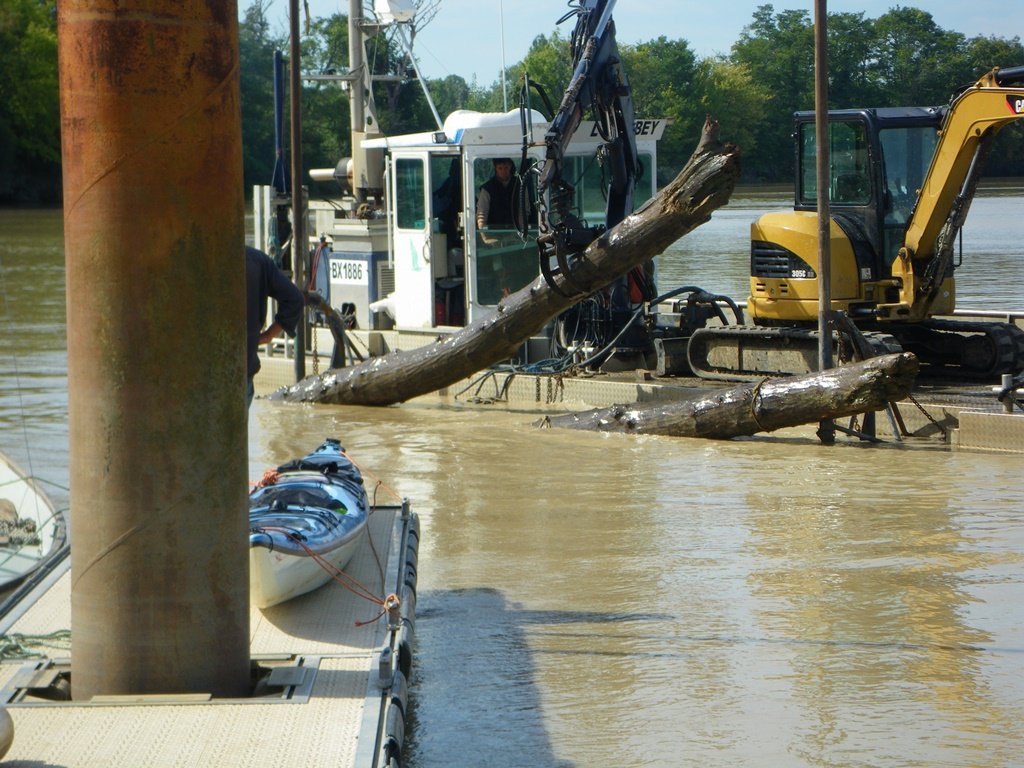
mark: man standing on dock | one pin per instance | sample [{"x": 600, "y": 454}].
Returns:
[{"x": 264, "y": 281}]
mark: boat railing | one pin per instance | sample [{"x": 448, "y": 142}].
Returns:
[{"x": 1004, "y": 315}]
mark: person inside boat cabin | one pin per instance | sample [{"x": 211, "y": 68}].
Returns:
[
  {"x": 499, "y": 202},
  {"x": 263, "y": 281}
]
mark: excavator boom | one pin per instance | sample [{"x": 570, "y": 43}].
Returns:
[{"x": 973, "y": 120}]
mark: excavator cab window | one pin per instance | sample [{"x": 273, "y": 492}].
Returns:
[
  {"x": 849, "y": 164},
  {"x": 906, "y": 153}
]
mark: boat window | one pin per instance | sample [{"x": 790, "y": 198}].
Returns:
[
  {"x": 589, "y": 177},
  {"x": 410, "y": 200},
  {"x": 645, "y": 181},
  {"x": 484, "y": 169},
  {"x": 586, "y": 174},
  {"x": 446, "y": 180},
  {"x": 505, "y": 261}
]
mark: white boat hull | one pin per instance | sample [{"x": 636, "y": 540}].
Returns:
[
  {"x": 31, "y": 530},
  {"x": 275, "y": 577}
]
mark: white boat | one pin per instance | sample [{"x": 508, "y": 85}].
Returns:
[
  {"x": 305, "y": 522},
  {"x": 395, "y": 247},
  {"x": 31, "y": 530}
]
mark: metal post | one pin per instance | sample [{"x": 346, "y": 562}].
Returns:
[
  {"x": 826, "y": 429},
  {"x": 1007, "y": 385},
  {"x": 154, "y": 234},
  {"x": 300, "y": 246}
]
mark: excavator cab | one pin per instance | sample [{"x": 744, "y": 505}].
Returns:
[{"x": 878, "y": 160}]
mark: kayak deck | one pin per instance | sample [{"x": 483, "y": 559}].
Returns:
[{"x": 334, "y": 691}]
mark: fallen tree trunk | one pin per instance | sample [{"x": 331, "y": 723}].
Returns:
[
  {"x": 704, "y": 185},
  {"x": 762, "y": 407}
]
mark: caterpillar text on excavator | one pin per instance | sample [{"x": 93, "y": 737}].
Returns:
[{"x": 901, "y": 184}]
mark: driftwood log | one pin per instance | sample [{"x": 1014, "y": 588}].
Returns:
[
  {"x": 761, "y": 407},
  {"x": 702, "y": 186}
]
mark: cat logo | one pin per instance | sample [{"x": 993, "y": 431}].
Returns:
[{"x": 1016, "y": 103}]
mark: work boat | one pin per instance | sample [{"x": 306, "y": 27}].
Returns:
[
  {"x": 420, "y": 267},
  {"x": 395, "y": 247},
  {"x": 31, "y": 530},
  {"x": 306, "y": 520}
]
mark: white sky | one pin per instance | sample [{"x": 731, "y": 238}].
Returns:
[{"x": 465, "y": 38}]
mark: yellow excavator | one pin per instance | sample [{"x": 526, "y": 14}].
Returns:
[{"x": 901, "y": 183}]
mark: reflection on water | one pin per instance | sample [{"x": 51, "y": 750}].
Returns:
[{"x": 604, "y": 600}]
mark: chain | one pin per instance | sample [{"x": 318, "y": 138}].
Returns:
[{"x": 928, "y": 416}]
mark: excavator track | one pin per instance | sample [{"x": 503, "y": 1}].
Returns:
[
  {"x": 745, "y": 353},
  {"x": 964, "y": 349},
  {"x": 949, "y": 348}
]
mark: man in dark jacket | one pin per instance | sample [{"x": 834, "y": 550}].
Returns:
[
  {"x": 499, "y": 205},
  {"x": 263, "y": 280}
]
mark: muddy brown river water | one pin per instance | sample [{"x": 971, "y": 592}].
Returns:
[{"x": 603, "y": 600}]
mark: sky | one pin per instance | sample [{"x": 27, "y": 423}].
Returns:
[{"x": 466, "y": 37}]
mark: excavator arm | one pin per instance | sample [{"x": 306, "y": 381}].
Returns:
[
  {"x": 599, "y": 85},
  {"x": 973, "y": 119}
]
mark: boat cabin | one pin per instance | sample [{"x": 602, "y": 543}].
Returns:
[{"x": 422, "y": 261}]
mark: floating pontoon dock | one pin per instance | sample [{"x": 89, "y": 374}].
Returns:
[{"x": 332, "y": 691}]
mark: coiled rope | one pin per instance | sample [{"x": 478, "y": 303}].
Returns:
[{"x": 19, "y": 646}]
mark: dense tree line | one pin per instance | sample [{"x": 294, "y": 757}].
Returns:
[
  {"x": 29, "y": 105},
  {"x": 899, "y": 58}
]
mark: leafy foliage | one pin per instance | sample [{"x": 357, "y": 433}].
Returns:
[{"x": 30, "y": 117}]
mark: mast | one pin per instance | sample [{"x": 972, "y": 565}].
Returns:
[{"x": 367, "y": 165}]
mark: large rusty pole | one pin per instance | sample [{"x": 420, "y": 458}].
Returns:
[{"x": 154, "y": 235}]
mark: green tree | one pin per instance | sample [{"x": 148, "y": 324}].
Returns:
[
  {"x": 851, "y": 48},
  {"x": 915, "y": 62},
  {"x": 729, "y": 93},
  {"x": 30, "y": 117},
  {"x": 778, "y": 51},
  {"x": 449, "y": 94},
  {"x": 980, "y": 56},
  {"x": 256, "y": 47},
  {"x": 662, "y": 79},
  {"x": 326, "y": 108},
  {"x": 547, "y": 63}
]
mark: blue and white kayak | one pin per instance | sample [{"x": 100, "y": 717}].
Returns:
[{"x": 308, "y": 518}]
